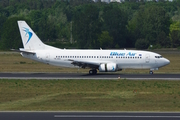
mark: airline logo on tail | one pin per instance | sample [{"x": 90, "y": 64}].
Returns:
[{"x": 27, "y": 32}]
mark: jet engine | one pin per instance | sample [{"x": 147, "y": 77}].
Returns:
[{"x": 108, "y": 67}]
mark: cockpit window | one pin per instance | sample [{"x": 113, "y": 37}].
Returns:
[{"x": 158, "y": 57}]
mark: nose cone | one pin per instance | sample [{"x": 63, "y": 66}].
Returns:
[
  {"x": 163, "y": 62},
  {"x": 167, "y": 61}
]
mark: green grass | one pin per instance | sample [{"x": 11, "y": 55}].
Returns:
[
  {"x": 14, "y": 62},
  {"x": 89, "y": 95}
]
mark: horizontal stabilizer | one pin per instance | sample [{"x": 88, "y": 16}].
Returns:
[{"x": 23, "y": 51}]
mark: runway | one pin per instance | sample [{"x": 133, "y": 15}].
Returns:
[
  {"x": 89, "y": 115},
  {"x": 100, "y": 76}
]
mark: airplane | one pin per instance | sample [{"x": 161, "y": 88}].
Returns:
[{"x": 101, "y": 60}]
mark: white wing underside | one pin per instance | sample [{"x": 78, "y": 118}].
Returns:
[{"x": 83, "y": 64}]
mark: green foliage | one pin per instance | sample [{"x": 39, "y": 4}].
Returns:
[
  {"x": 105, "y": 40},
  {"x": 39, "y": 23},
  {"x": 86, "y": 25},
  {"x": 2, "y": 20},
  {"x": 141, "y": 44},
  {"x": 125, "y": 23},
  {"x": 163, "y": 40},
  {"x": 157, "y": 46},
  {"x": 174, "y": 26},
  {"x": 10, "y": 34},
  {"x": 175, "y": 34},
  {"x": 175, "y": 37},
  {"x": 149, "y": 22},
  {"x": 60, "y": 44},
  {"x": 115, "y": 21}
]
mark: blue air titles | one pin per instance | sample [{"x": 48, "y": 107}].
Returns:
[{"x": 122, "y": 54}]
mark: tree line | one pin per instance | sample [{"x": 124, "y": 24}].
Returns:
[{"x": 88, "y": 24}]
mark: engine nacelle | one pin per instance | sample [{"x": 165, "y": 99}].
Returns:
[{"x": 108, "y": 67}]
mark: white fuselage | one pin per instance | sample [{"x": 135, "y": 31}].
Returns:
[{"x": 134, "y": 59}]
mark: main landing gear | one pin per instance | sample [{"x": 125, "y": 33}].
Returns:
[
  {"x": 93, "y": 72},
  {"x": 151, "y": 72}
]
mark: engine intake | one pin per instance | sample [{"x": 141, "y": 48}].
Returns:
[{"x": 108, "y": 67}]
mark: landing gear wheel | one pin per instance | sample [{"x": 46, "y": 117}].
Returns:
[
  {"x": 92, "y": 72},
  {"x": 151, "y": 72}
]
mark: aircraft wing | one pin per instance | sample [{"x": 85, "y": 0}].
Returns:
[
  {"x": 23, "y": 51},
  {"x": 84, "y": 64}
]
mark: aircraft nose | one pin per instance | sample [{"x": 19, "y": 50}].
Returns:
[{"x": 167, "y": 61}]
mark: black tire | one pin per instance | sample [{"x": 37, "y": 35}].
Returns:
[
  {"x": 90, "y": 72},
  {"x": 94, "y": 72},
  {"x": 151, "y": 72}
]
